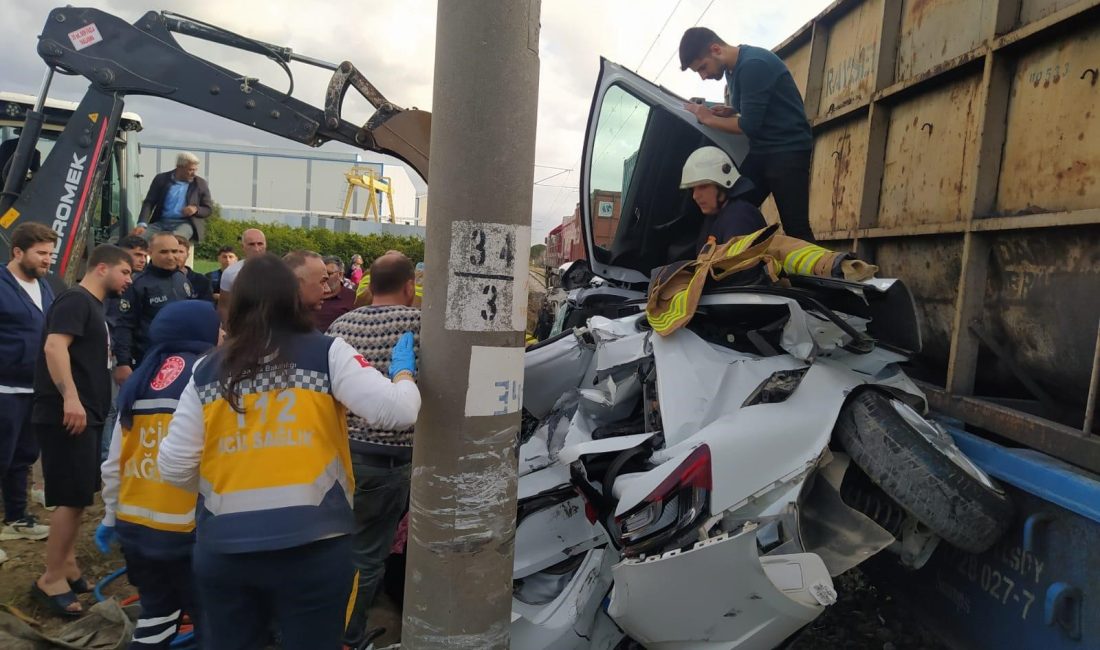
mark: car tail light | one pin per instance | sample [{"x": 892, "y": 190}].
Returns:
[{"x": 674, "y": 507}]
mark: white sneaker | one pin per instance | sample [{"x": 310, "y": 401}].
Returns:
[{"x": 25, "y": 528}]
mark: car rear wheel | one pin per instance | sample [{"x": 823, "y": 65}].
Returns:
[{"x": 918, "y": 466}]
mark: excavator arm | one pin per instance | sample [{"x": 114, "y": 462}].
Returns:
[{"x": 144, "y": 58}]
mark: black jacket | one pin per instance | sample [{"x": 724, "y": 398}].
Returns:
[
  {"x": 201, "y": 285},
  {"x": 737, "y": 217},
  {"x": 198, "y": 195},
  {"x": 149, "y": 293}
]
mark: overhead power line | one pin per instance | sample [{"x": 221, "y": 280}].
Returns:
[
  {"x": 658, "y": 36},
  {"x": 674, "y": 52}
]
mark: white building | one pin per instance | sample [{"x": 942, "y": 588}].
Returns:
[{"x": 296, "y": 187}]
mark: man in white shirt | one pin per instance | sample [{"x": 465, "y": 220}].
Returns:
[
  {"x": 254, "y": 243},
  {"x": 24, "y": 298}
]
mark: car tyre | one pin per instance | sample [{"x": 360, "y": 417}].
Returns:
[{"x": 926, "y": 483}]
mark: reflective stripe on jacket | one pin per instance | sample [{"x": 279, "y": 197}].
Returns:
[{"x": 279, "y": 474}]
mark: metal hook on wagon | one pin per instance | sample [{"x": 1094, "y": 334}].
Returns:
[
  {"x": 1094, "y": 72},
  {"x": 930, "y": 127}
]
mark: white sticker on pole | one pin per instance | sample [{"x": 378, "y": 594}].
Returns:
[
  {"x": 487, "y": 278},
  {"x": 496, "y": 381},
  {"x": 85, "y": 36}
]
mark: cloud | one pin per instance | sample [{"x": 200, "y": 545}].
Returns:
[{"x": 393, "y": 44}]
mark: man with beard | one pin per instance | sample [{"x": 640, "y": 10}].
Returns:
[
  {"x": 72, "y": 389},
  {"x": 201, "y": 284},
  {"x": 764, "y": 105},
  {"x": 25, "y": 297},
  {"x": 138, "y": 249}
]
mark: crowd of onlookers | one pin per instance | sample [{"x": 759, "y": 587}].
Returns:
[{"x": 250, "y": 428}]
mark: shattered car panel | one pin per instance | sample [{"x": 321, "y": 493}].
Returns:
[
  {"x": 760, "y": 613},
  {"x": 687, "y": 490}
]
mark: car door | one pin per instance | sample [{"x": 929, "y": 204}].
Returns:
[{"x": 633, "y": 215}]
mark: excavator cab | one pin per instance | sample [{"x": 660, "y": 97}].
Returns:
[{"x": 119, "y": 200}]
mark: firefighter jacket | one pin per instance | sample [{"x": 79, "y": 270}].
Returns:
[
  {"x": 148, "y": 513},
  {"x": 279, "y": 474},
  {"x": 149, "y": 293},
  {"x": 675, "y": 289}
]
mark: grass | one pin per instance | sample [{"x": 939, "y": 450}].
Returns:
[{"x": 205, "y": 266}]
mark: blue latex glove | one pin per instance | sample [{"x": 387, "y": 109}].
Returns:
[
  {"x": 403, "y": 357},
  {"x": 104, "y": 537}
]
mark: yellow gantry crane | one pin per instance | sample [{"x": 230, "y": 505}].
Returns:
[{"x": 369, "y": 180}]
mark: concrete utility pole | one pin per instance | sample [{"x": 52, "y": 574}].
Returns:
[{"x": 462, "y": 527}]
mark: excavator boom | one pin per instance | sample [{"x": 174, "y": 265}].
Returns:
[{"x": 144, "y": 58}]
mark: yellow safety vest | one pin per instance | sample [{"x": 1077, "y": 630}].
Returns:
[
  {"x": 675, "y": 289},
  {"x": 278, "y": 475},
  {"x": 364, "y": 284},
  {"x": 143, "y": 498}
]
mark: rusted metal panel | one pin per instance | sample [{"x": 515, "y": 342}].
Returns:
[
  {"x": 836, "y": 176},
  {"x": 932, "y": 140},
  {"x": 1043, "y": 303},
  {"x": 936, "y": 31},
  {"x": 798, "y": 62},
  {"x": 1032, "y": 10},
  {"x": 982, "y": 125},
  {"x": 1044, "y": 435},
  {"x": 850, "y": 57},
  {"x": 1051, "y": 160},
  {"x": 930, "y": 267}
]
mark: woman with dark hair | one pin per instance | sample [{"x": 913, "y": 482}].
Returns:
[{"x": 261, "y": 431}]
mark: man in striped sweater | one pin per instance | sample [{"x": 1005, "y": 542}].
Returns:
[{"x": 380, "y": 459}]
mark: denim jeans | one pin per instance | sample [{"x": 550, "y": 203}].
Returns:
[
  {"x": 18, "y": 451},
  {"x": 381, "y": 498},
  {"x": 183, "y": 228}
]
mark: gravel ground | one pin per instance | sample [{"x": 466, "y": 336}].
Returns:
[{"x": 865, "y": 618}]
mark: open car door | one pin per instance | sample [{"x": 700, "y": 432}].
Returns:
[{"x": 635, "y": 217}]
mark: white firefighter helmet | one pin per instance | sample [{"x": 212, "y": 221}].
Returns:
[{"x": 709, "y": 165}]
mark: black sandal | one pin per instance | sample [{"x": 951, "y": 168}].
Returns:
[
  {"x": 58, "y": 604},
  {"x": 80, "y": 586}
]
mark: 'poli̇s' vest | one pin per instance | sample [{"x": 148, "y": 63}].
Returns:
[
  {"x": 152, "y": 515},
  {"x": 279, "y": 474}
]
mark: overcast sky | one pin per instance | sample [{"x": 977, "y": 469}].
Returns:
[{"x": 393, "y": 43}]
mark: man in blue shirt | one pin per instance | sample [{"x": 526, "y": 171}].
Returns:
[
  {"x": 762, "y": 103},
  {"x": 178, "y": 201}
]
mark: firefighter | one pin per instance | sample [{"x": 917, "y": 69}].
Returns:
[
  {"x": 718, "y": 189},
  {"x": 154, "y": 521},
  {"x": 261, "y": 429}
]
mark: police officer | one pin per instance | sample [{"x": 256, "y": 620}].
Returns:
[
  {"x": 161, "y": 283},
  {"x": 261, "y": 430},
  {"x": 154, "y": 521}
]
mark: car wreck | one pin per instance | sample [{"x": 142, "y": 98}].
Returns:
[{"x": 699, "y": 487}]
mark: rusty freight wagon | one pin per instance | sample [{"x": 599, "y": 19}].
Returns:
[{"x": 957, "y": 145}]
